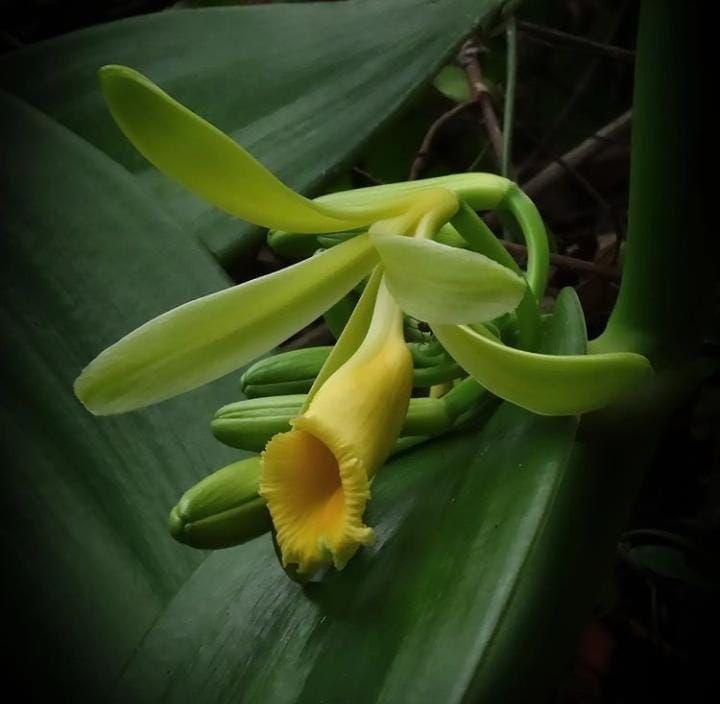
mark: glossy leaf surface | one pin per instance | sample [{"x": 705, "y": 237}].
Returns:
[{"x": 92, "y": 564}]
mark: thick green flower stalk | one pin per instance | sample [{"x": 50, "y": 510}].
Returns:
[{"x": 479, "y": 305}]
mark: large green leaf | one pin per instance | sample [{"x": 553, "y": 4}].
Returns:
[
  {"x": 86, "y": 257},
  {"x": 300, "y": 86}
]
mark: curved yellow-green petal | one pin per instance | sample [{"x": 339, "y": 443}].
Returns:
[
  {"x": 545, "y": 384},
  {"x": 206, "y": 161},
  {"x": 441, "y": 284},
  {"x": 211, "y": 336}
]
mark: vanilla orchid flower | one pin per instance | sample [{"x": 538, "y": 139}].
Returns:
[
  {"x": 455, "y": 290},
  {"x": 316, "y": 477}
]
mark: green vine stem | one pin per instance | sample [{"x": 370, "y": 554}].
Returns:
[
  {"x": 659, "y": 307},
  {"x": 480, "y": 238},
  {"x": 509, "y": 104}
]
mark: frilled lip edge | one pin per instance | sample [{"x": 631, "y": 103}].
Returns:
[{"x": 294, "y": 546}]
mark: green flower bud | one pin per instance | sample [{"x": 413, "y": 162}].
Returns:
[
  {"x": 284, "y": 373},
  {"x": 294, "y": 372},
  {"x": 222, "y": 510},
  {"x": 249, "y": 424}
]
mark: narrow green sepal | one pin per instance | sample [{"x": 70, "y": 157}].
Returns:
[
  {"x": 482, "y": 191},
  {"x": 207, "y": 162},
  {"x": 208, "y": 337},
  {"x": 222, "y": 510},
  {"x": 543, "y": 383}
]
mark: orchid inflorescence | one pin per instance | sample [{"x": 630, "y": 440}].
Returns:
[{"x": 421, "y": 250}]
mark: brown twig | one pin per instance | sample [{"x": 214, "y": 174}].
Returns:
[
  {"x": 421, "y": 157},
  {"x": 571, "y": 160},
  {"x": 584, "y": 151},
  {"x": 310, "y": 337},
  {"x": 479, "y": 92},
  {"x": 479, "y": 96},
  {"x": 580, "y": 87},
  {"x": 562, "y": 261},
  {"x": 570, "y": 167},
  {"x": 366, "y": 176},
  {"x": 553, "y": 37}
]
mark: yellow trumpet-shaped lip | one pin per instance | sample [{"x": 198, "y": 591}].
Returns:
[
  {"x": 316, "y": 494},
  {"x": 316, "y": 478}
]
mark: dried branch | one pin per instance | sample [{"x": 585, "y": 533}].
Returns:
[
  {"x": 553, "y": 37},
  {"x": 580, "y": 88},
  {"x": 506, "y": 168},
  {"x": 562, "y": 261},
  {"x": 422, "y": 155},
  {"x": 593, "y": 145},
  {"x": 366, "y": 176},
  {"x": 310, "y": 337},
  {"x": 479, "y": 92}
]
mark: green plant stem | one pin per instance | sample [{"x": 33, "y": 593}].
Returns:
[
  {"x": 536, "y": 240},
  {"x": 481, "y": 239},
  {"x": 462, "y": 397},
  {"x": 440, "y": 374},
  {"x": 659, "y": 307},
  {"x": 509, "y": 106}
]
